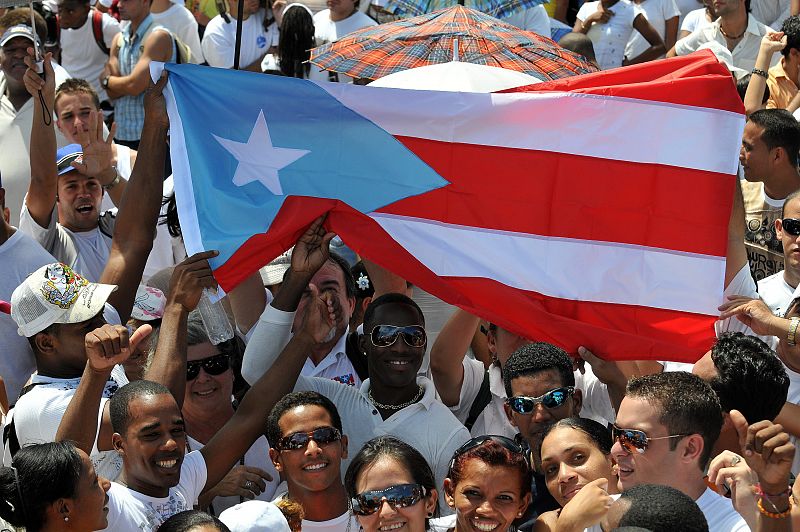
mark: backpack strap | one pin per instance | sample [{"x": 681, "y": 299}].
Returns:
[
  {"x": 97, "y": 31},
  {"x": 480, "y": 402},
  {"x": 10, "y": 438}
]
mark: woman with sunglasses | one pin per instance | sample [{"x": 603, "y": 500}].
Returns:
[
  {"x": 488, "y": 485},
  {"x": 207, "y": 405},
  {"x": 391, "y": 486},
  {"x": 578, "y": 470}
]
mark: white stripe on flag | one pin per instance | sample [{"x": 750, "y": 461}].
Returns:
[
  {"x": 608, "y": 127},
  {"x": 581, "y": 270}
]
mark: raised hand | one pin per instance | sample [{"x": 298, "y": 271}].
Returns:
[
  {"x": 34, "y": 82},
  {"x": 311, "y": 250},
  {"x": 155, "y": 107},
  {"x": 773, "y": 41},
  {"x": 586, "y": 508},
  {"x": 730, "y": 474},
  {"x": 110, "y": 345},
  {"x": 98, "y": 153},
  {"x": 243, "y": 481},
  {"x": 752, "y": 312},
  {"x": 189, "y": 278},
  {"x": 321, "y": 316},
  {"x": 767, "y": 450}
]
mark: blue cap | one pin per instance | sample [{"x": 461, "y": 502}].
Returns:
[{"x": 66, "y": 156}]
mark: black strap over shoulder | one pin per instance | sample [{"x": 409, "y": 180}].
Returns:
[
  {"x": 10, "y": 439},
  {"x": 481, "y": 401}
]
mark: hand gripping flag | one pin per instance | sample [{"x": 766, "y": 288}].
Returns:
[{"x": 587, "y": 211}]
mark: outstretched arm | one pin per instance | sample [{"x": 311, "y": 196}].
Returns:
[
  {"x": 136, "y": 222},
  {"x": 448, "y": 353}
]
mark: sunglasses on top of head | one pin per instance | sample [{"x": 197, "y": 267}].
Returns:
[
  {"x": 215, "y": 365},
  {"x": 299, "y": 440},
  {"x": 791, "y": 226},
  {"x": 636, "y": 441},
  {"x": 386, "y": 335},
  {"x": 522, "y": 404},
  {"x": 399, "y": 496}
]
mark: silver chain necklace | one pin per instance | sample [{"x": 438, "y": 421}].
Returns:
[{"x": 382, "y": 406}]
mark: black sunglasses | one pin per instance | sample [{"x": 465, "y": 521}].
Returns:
[
  {"x": 399, "y": 496},
  {"x": 791, "y": 226},
  {"x": 386, "y": 335},
  {"x": 522, "y": 404},
  {"x": 215, "y": 365},
  {"x": 503, "y": 441},
  {"x": 299, "y": 440}
]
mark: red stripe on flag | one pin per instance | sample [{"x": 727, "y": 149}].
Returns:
[
  {"x": 609, "y": 330},
  {"x": 572, "y": 196},
  {"x": 697, "y": 79}
]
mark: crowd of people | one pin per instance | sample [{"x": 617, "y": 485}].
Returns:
[{"x": 347, "y": 398}]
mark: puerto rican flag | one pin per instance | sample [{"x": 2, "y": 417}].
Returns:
[{"x": 586, "y": 211}]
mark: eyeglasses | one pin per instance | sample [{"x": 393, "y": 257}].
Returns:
[
  {"x": 636, "y": 440},
  {"x": 386, "y": 335},
  {"x": 299, "y": 440},
  {"x": 791, "y": 226},
  {"x": 522, "y": 404},
  {"x": 504, "y": 442},
  {"x": 215, "y": 365},
  {"x": 400, "y": 496}
]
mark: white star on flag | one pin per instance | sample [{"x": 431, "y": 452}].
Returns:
[{"x": 258, "y": 159}]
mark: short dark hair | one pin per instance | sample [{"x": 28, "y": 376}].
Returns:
[
  {"x": 687, "y": 404},
  {"x": 794, "y": 195},
  {"x": 741, "y": 88},
  {"x": 750, "y": 377},
  {"x": 534, "y": 358},
  {"x": 791, "y": 28},
  {"x": 491, "y": 453},
  {"x": 392, "y": 298},
  {"x": 662, "y": 509},
  {"x": 77, "y": 86},
  {"x": 781, "y": 130},
  {"x": 119, "y": 404},
  {"x": 293, "y": 400},
  {"x": 399, "y": 451},
  {"x": 599, "y": 434},
  {"x": 46, "y": 473},
  {"x": 188, "y": 519},
  {"x": 22, "y": 16},
  {"x": 579, "y": 43}
]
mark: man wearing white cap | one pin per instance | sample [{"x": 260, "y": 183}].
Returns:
[{"x": 253, "y": 516}]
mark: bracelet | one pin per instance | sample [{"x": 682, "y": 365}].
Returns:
[
  {"x": 779, "y": 515},
  {"x": 761, "y": 493},
  {"x": 114, "y": 182},
  {"x": 792, "y": 335},
  {"x": 759, "y": 72}
]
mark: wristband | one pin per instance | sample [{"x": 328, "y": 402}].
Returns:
[
  {"x": 791, "y": 337},
  {"x": 761, "y": 493},
  {"x": 114, "y": 182},
  {"x": 759, "y": 72},
  {"x": 774, "y": 515}
]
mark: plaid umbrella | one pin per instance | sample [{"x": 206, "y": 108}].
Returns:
[
  {"x": 495, "y": 8},
  {"x": 456, "y": 33}
]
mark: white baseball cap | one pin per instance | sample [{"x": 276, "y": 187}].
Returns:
[
  {"x": 55, "y": 293},
  {"x": 149, "y": 304},
  {"x": 255, "y": 516},
  {"x": 273, "y": 272}
]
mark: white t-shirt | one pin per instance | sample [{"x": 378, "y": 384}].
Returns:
[
  {"x": 38, "y": 413},
  {"x": 326, "y": 30},
  {"x": 335, "y": 366},
  {"x": 271, "y": 63},
  {"x": 131, "y": 511},
  {"x": 219, "y": 40},
  {"x": 611, "y": 38},
  {"x": 533, "y": 19},
  {"x": 695, "y": 19},
  {"x": 20, "y": 256},
  {"x": 81, "y": 55},
  {"x": 720, "y": 513},
  {"x": 657, "y": 13},
  {"x": 776, "y": 293},
  {"x": 687, "y": 6},
  {"x": 771, "y": 12},
  {"x": 346, "y": 521},
  {"x": 256, "y": 456},
  {"x": 85, "y": 252},
  {"x": 183, "y": 25}
]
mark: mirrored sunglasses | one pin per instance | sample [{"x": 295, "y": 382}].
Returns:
[
  {"x": 386, "y": 335},
  {"x": 503, "y": 441},
  {"x": 299, "y": 440},
  {"x": 215, "y": 365},
  {"x": 400, "y": 496},
  {"x": 791, "y": 226},
  {"x": 633, "y": 440},
  {"x": 522, "y": 404}
]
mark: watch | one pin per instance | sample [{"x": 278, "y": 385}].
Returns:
[
  {"x": 114, "y": 182},
  {"x": 104, "y": 82}
]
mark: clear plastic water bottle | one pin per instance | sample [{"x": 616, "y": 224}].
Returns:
[{"x": 215, "y": 319}]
